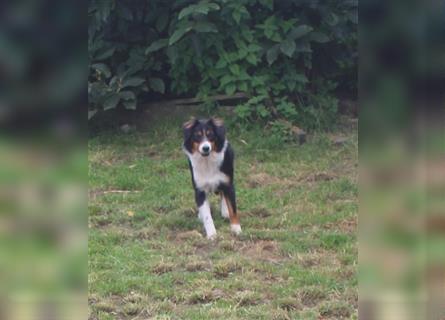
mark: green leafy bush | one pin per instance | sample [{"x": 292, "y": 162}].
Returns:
[{"x": 287, "y": 56}]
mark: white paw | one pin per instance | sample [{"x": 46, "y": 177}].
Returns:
[
  {"x": 211, "y": 235},
  {"x": 235, "y": 228}
]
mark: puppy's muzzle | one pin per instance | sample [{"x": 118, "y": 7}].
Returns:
[{"x": 205, "y": 148}]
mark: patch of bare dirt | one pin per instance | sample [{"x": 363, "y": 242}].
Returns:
[
  {"x": 317, "y": 176},
  {"x": 188, "y": 235},
  {"x": 318, "y": 258},
  {"x": 163, "y": 267},
  {"x": 290, "y": 304},
  {"x": 348, "y": 226},
  {"x": 265, "y": 250},
  {"x": 194, "y": 266},
  {"x": 205, "y": 296},
  {"x": 259, "y": 212},
  {"x": 92, "y": 194},
  {"x": 260, "y": 179},
  {"x": 311, "y": 296}
]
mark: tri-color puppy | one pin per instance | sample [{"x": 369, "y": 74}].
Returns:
[{"x": 211, "y": 164}]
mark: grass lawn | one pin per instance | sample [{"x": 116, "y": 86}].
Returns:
[{"x": 296, "y": 257}]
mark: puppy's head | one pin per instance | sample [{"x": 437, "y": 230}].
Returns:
[{"x": 204, "y": 136}]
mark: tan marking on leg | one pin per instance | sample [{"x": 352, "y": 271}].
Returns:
[{"x": 233, "y": 216}]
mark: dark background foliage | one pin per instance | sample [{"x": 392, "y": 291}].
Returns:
[{"x": 291, "y": 58}]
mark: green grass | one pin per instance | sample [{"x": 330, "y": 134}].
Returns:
[{"x": 296, "y": 258}]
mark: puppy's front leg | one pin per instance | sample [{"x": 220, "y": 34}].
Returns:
[{"x": 204, "y": 213}]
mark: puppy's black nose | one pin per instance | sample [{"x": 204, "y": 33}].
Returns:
[{"x": 206, "y": 148}]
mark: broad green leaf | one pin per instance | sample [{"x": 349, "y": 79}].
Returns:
[
  {"x": 157, "y": 84},
  {"x": 205, "y": 26},
  {"x": 276, "y": 37},
  {"x": 221, "y": 64},
  {"x": 288, "y": 47},
  {"x": 243, "y": 75},
  {"x": 172, "y": 54},
  {"x": 242, "y": 53},
  {"x": 226, "y": 79},
  {"x": 230, "y": 89},
  {"x": 130, "y": 104},
  {"x": 269, "y": 33},
  {"x": 272, "y": 54},
  {"x": 301, "y": 77},
  {"x": 232, "y": 57},
  {"x": 132, "y": 82},
  {"x": 303, "y": 47},
  {"x": 300, "y": 31},
  {"x": 332, "y": 19},
  {"x": 104, "y": 53},
  {"x": 234, "y": 68},
  {"x": 254, "y": 47},
  {"x": 102, "y": 68},
  {"x": 213, "y": 6},
  {"x": 267, "y": 3},
  {"x": 178, "y": 35},
  {"x": 186, "y": 11},
  {"x": 113, "y": 81},
  {"x": 242, "y": 86},
  {"x": 319, "y": 37},
  {"x": 91, "y": 113},
  {"x": 155, "y": 46},
  {"x": 252, "y": 59},
  {"x": 236, "y": 16},
  {"x": 262, "y": 111},
  {"x": 111, "y": 102},
  {"x": 127, "y": 95},
  {"x": 202, "y": 8},
  {"x": 247, "y": 34}
]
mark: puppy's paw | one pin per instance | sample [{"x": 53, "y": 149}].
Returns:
[
  {"x": 211, "y": 235},
  {"x": 235, "y": 229}
]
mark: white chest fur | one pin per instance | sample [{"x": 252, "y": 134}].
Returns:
[{"x": 206, "y": 172}]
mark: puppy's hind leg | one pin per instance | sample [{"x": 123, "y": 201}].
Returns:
[
  {"x": 229, "y": 196},
  {"x": 224, "y": 208}
]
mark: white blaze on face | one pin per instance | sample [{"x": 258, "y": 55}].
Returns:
[{"x": 205, "y": 145}]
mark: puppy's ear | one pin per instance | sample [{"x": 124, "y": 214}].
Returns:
[
  {"x": 188, "y": 127},
  {"x": 220, "y": 130}
]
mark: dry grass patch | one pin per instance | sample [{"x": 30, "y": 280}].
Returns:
[
  {"x": 335, "y": 310},
  {"x": 202, "y": 296},
  {"x": 259, "y": 212},
  {"x": 311, "y": 296},
  {"x": 163, "y": 267},
  {"x": 264, "y": 250},
  {"x": 228, "y": 245},
  {"x": 289, "y": 304},
  {"x": 347, "y": 226},
  {"x": 194, "y": 266},
  {"x": 191, "y": 235},
  {"x": 226, "y": 267},
  {"x": 247, "y": 298}
]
